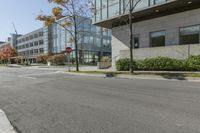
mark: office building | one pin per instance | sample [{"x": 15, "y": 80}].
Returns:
[
  {"x": 161, "y": 27},
  {"x": 93, "y": 41}
]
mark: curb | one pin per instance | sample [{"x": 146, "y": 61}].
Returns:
[
  {"x": 85, "y": 74},
  {"x": 189, "y": 79},
  {"x": 5, "y": 125}
]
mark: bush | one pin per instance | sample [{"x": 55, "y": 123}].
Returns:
[
  {"x": 193, "y": 63},
  {"x": 41, "y": 59},
  {"x": 57, "y": 59},
  {"x": 161, "y": 64},
  {"x": 123, "y": 64}
]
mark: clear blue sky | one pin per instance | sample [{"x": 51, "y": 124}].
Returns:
[{"x": 23, "y": 14}]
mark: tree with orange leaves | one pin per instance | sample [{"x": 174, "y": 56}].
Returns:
[
  {"x": 74, "y": 12},
  {"x": 6, "y": 53}
]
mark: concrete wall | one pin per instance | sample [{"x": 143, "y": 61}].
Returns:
[
  {"x": 170, "y": 24},
  {"x": 178, "y": 52}
]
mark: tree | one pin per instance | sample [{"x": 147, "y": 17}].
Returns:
[
  {"x": 74, "y": 12},
  {"x": 42, "y": 58},
  {"x": 7, "y": 52}
]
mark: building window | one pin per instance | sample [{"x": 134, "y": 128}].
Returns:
[
  {"x": 31, "y": 44},
  {"x": 36, "y": 51},
  {"x": 41, "y": 42},
  {"x": 27, "y": 38},
  {"x": 41, "y": 50},
  {"x": 27, "y": 45},
  {"x": 40, "y": 33},
  {"x": 30, "y": 37},
  {"x": 190, "y": 35},
  {"x": 113, "y": 8},
  {"x": 159, "y": 1},
  {"x": 35, "y": 35},
  {"x": 136, "y": 41},
  {"x": 157, "y": 38},
  {"x": 31, "y": 52},
  {"x": 36, "y": 43}
]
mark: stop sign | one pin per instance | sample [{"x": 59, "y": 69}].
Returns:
[{"x": 68, "y": 50}]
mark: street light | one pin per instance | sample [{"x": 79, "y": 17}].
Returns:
[{"x": 131, "y": 9}]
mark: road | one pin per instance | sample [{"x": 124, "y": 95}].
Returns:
[{"x": 47, "y": 101}]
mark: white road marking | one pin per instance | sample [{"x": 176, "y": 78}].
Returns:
[{"x": 5, "y": 126}]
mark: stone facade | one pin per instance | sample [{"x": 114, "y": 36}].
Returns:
[{"x": 170, "y": 24}]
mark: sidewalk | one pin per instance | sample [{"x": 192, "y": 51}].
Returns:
[
  {"x": 5, "y": 126},
  {"x": 139, "y": 76}
]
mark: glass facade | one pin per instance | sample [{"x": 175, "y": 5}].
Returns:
[
  {"x": 110, "y": 8},
  {"x": 93, "y": 41},
  {"x": 157, "y": 38},
  {"x": 190, "y": 35}
]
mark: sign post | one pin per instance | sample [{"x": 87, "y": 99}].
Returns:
[{"x": 68, "y": 51}]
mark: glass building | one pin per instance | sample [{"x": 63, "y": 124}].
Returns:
[
  {"x": 93, "y": 41},
  {"x": 111, "y": 8}
]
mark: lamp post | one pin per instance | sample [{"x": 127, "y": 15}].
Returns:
[{"x": 131, "y": 8}]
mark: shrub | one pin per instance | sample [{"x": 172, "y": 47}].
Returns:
[
  {"x": 41, "y": 59},
  {"x": 57, "y": 59},
  {"x": 123, "y": 64},
  {"x": 193, "y": 63},
  {"x": 161, "y": 64}
]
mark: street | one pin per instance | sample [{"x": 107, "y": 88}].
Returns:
[{"x": 50, "y": 101}]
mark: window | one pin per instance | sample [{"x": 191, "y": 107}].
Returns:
[
  {"x": 31, "y": 44},
  {"x": 27, "y": 38},
  {"x": 23, "y": 39},
  {"x": 40, "y": 33},
  {"x": 159, "y": 1},
  {"x": 41, "y": 42},
  {"x": 31, "y": 52},
  {"x": 190, "y": 35},
  {"x": 36, "y": 43},
  {"x": 113, "y": 8},
  {"x": 27, "y": 53},
  {"x": 30, "y": 37},
  {"x": 27, "y": 45},
  {"x": 23, "y": 46},
  {"x": 136, "y": 41},
  {"x": 36, "y": 51},
  {"x": 157, "y": 38},
  {"x": 41, "y": 50},
  {"x": 35, "y": 35}
]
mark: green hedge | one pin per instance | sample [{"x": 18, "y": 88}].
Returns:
[{"x": 161, "y": 64}]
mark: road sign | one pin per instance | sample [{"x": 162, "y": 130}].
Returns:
[{"x": 68, "y": 50}]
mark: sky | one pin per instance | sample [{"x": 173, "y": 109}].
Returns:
[{"x": 22, "y": 13}]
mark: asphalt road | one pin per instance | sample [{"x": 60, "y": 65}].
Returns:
[{"x": 46, "y": 101}]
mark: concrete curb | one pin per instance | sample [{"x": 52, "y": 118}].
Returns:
[
  {"x": 85, "y": 74},
  {"x": 5, "y": 125},
  {"x": 147, "y": 77},
  {"x": 189, "y": 79}
]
